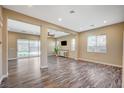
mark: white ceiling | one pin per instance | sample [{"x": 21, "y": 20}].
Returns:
[
  {"x": 84, "y": 18},
  {"x": 21, "y": 27}
]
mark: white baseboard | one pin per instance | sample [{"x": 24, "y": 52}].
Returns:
[
  {"x": 99, "y": 62},
  {"x": 73, "y": 58},
  {"x": 12, "y": 59},
  {"x": 76, "y": 58},
  {"x": 42, "y": 67},
  {"x": 22, "y": 57},
  {"x": 2, "y": 77}
]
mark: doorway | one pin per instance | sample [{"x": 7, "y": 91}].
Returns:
[{"x": 23, "y": 40}]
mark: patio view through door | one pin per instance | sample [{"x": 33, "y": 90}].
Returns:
[{"x": 28, "y": 48}]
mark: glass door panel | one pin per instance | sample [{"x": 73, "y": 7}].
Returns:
[
  {"x": 39, "y": 48},
  {"x": 34, "y": 48},
  {"x": 22, "y": 48}
]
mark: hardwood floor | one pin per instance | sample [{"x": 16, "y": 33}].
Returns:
[{"x": 62, "y": 73}]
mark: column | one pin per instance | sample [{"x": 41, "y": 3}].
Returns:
[
  {"x": 43, "y": 42},
  {"x": 5, "y": 45}
]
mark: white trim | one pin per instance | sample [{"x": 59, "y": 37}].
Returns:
[
  {"x": 76, "y": 58},
  {"x": 51, "y": 54},
  {"x": 22, "y": 57},
  {"x": 72, "y": 58},
  {"x": 42, "y": 67},
  {"x": 12, "y": 58},
  {"x": 99, "y": 62},
  {"x": 2, "y": 77}
]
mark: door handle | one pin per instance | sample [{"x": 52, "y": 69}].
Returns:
[{"x": 0, "y": 42}]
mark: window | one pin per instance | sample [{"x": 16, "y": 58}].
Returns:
[
  {"x": 73, "y": 44},
  {"x": 97, "y": 44},
  {"x": 101, "y": 44},
  {"x": 91, "y": 44},
  {"x": 57, "y": 43}
]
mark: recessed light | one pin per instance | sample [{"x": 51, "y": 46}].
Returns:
[
  {"x": 105, "y": 21},
  {"x": 80, "y": 28},
  {"x": 59, "y": 19}
]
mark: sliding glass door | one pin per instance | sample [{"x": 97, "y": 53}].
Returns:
[
  {"x": 22, "y": 48},
  {"x": 34, "y": 48},
  {"x": 27, "y": 48}
]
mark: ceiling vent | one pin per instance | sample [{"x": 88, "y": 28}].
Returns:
[{"x": 72, "y": 12}]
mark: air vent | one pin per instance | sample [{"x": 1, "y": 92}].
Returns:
[{"x": 72, "y": 12}]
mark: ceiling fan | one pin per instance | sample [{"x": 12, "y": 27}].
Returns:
[{"x": 51, "y": 34}]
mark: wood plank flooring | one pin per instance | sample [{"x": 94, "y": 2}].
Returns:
[{"x": 62, "y": 73}]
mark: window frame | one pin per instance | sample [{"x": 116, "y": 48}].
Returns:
[
  {"x": 73, "y": 44},
  {"x": 96, "y": 46}
]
